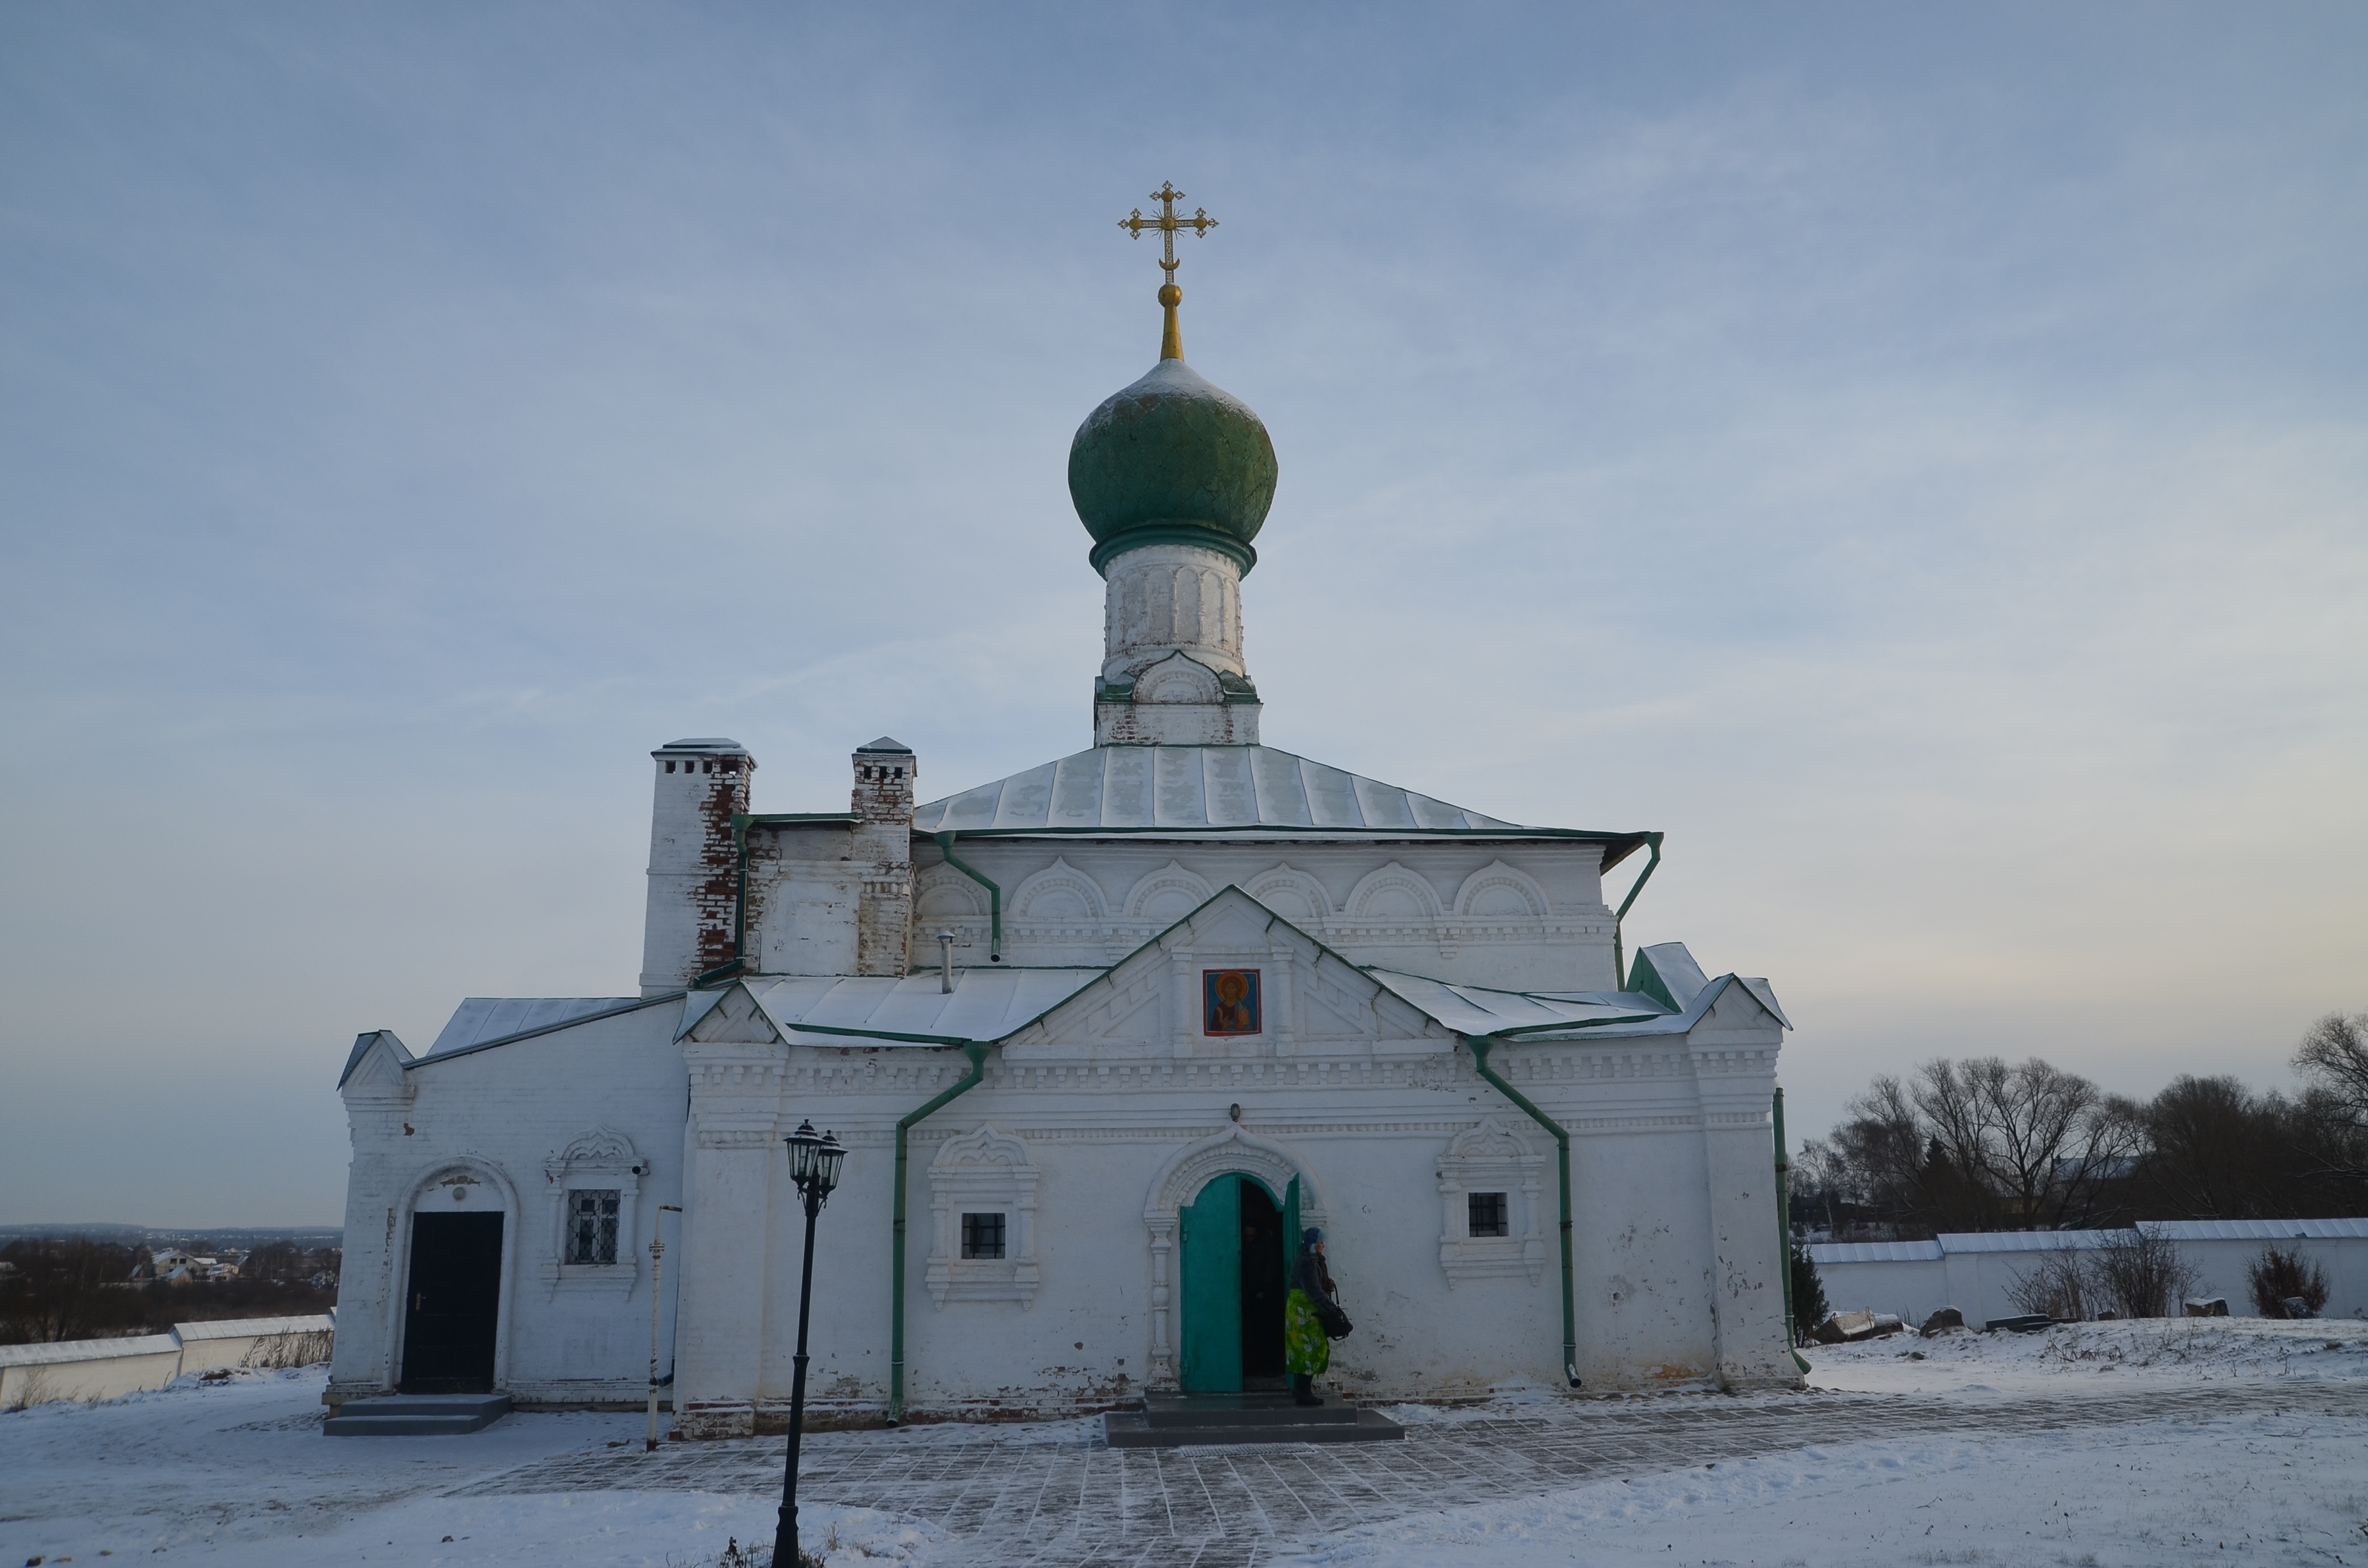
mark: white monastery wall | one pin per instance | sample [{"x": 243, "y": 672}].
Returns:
[
  {"x": 511, "y": 1129},
  {"x": 1979, "y": 1283}
]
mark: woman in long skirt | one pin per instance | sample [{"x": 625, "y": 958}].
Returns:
[{"x": 1306, "y": 1350}]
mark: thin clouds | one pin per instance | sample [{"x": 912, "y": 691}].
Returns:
[{"x": 1915, "y": 461}]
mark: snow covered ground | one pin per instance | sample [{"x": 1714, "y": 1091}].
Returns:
[
  {"x": 239, "y": 1472},
  {"x": 2141, "y": 1353},
  {"x": 2290, "y": 1487},
  {"x": 2255, "y": 1489}
]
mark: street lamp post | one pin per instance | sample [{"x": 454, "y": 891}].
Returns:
[{"x": 815, "y": 1159}]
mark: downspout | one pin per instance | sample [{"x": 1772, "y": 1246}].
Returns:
[
  {"x": 976, "y": 1051},
  {"x": 1481, "y": 1044},
  {"x": 1619, "y": 948},
  {"x": 993, "y": 897},
  {"x": 1785, "y": 1234}
]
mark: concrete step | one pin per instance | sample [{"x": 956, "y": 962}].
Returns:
[
  {"x": 417, "y": 1415},
  {"x": 1132, "y": 1429},
  {"x": 1241, "y": 1410}
]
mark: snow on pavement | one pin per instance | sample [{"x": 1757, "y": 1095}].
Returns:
[
  {"x": 240, "y": 1473},
  {"x": 2253, "y": 1489}
]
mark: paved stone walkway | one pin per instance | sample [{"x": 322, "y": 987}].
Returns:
[{"x": 1057, "y": 1498}]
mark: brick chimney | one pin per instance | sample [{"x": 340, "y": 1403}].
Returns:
[
  {"x": 694, "y": 869},
  {"x": 885, "y": 775}
]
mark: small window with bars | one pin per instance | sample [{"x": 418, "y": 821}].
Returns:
[
  {"x": 982, "y": 1235},
  {"x": 1487, "y": 1213},
  {"x": 592, "y": 1226}
]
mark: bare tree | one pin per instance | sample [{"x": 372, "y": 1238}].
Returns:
[
  {"x": 2334, "y": 1058},
  {"x": 2036, "y": 1139},
  {"x": 2057, "y": 1285},
  {"x": 2334, "y": 1055},
  {"x": 2142, "y": 1271}
]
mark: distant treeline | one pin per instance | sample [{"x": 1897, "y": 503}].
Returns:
[
  {"x": 1982, "y": 1145},
  {"x": 76, "y": 1288}
]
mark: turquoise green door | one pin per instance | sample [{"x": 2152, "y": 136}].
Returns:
[
  {"x": 1212, "y": 1251},
  {"x": 1291, "y": 1227}
]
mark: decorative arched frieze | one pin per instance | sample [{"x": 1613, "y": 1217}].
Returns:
[
  {"x": 1059, "y": 892},
  {"x": 941, "y": 893},
  {"x": 984, "y": 1173},
  {"x": 1166, "y": 895},
  {"x": 1499, "y": 891},
  {"x": 1231, "y": 1153},
  {"x": 1178, "y": 679},
  {"x": 1293, "y": 894},
  {"x": 602, "y": 1169},
  {"x": 1490, "y": 1160},
  {"x": 1393, "y": 896}
]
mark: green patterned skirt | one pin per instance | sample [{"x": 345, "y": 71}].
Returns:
[{"x": 1306, "y": 1351}]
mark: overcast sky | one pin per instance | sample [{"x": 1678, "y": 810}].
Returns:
[{"x": 1917, "y": 457}]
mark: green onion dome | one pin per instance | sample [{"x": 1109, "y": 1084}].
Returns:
[{"x": 1172, "y": 460}]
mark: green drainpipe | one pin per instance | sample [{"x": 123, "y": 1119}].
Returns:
[
  {"x": 993, "y": 897},
  {"x": 976, "y": 1051},
  {"x": 1481, "y": 1045},
  {"x": 1784, "y": 1233},
  {"x": 1619, "y": 947}
]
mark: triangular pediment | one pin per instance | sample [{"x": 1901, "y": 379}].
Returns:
[
  {"x": 374, "y": 1068},
  {"x": 1137, "y": 1001},
  {"x": 729, "y": 1017}
]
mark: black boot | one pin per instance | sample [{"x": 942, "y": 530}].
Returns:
[{"x": 1302, "y": 1388}]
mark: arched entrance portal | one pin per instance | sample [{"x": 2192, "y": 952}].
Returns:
[
  {"x": 1237, "y": 1238},
  {"x": 452, "y": 1306}
]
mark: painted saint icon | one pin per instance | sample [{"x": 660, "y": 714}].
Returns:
[{"x": 1229, "y": 1001}]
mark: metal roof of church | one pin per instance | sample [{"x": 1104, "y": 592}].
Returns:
[
  {"x": 985, "y": 1004},
  {"x": 483, "y": 1020},
  {"x": 1477, "y": 1009},
  {"x": 1131, "y": 788}
]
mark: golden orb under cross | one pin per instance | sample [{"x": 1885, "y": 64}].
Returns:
[{"x": 1166, "y": 224}]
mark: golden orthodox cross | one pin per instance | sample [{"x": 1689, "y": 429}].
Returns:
[
  {"x": 1167, "y": 195},
  {"x": 1171, "y": 341}
]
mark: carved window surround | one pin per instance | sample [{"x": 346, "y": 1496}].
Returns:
[
  {"x": 1490, "y": 1157},
  {"x": 983, "y": 1172},
  {"x": 600, "y": 1159}
]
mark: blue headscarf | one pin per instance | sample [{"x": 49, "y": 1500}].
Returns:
[{"x": 1310, "y": 1237}]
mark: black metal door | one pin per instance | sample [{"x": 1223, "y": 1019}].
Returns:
[{"x": 449, "y": 1321}]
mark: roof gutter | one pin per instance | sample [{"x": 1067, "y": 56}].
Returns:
[
  {"x": 1481, "y": 1044},
  {"x": 994, "y": 896},
  {"x": 976, "y": 1051},
  {"x": 1618, "y": 949}
]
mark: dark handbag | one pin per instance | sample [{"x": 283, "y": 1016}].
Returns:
[{"x": 1333, "y": 1321}]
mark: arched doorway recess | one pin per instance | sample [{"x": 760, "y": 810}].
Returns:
[{"x": 1197, "y": 1214}]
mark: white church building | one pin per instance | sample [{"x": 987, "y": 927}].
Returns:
[{"x": 1102, "y": 1037}]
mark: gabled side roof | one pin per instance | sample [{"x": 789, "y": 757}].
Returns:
[
  {"x": 1195, "y": 789},
  {"x": 992, "y": 1004},
  {"x": 483, "y": 1020},
  {"x": 985, "y": 1004}
]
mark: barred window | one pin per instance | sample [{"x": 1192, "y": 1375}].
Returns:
[
  {"x": 1487, "y": 1211},
  {"x": 982, "y": 1235},
  {"x": 592, "y": 1226}
]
